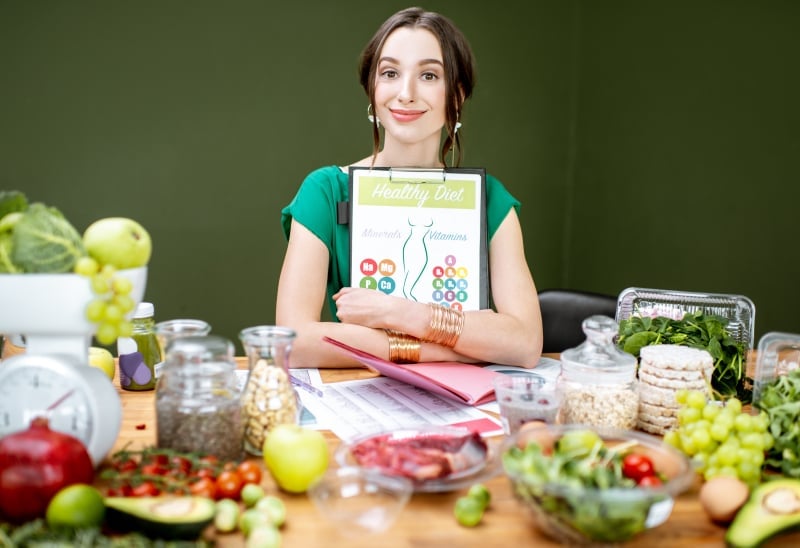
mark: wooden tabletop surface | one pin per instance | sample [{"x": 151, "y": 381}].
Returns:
[{"x": 428, "y": 520}]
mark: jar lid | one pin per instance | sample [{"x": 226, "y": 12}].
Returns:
[
  {"x": 598, "y": 359},
  {"x": 200, "y": 349},
  {"x": 144, "y": 310}
]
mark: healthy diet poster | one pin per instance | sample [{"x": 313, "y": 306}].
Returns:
[{"x": 420, "y": 234}]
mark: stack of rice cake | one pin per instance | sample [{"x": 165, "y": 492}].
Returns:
[{"x": 664, "y": 369}]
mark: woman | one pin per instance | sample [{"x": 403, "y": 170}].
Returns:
[{"x": 417, "y": 71}]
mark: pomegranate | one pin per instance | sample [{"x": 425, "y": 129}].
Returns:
[{"x": 34, "y": 465}]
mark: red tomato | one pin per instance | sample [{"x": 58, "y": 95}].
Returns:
[
  {"x": 204, "y": 487},
  {"x": 180, "y": 464},
  {"x": 205, "y": 473},
  {"x": 153, "y": 469},
  {"x": 649, "y": 481},
  {"x": 637, "y": 466},
  {"x": 229, "y": 485},
  {"x": 250, "y": 471},
  {"x": 127, "y": 465},
  {"x": 146, "y": 489}
]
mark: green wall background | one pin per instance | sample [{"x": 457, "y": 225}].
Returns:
[{"x": 652, "y": 144}]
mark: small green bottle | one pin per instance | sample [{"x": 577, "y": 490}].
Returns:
[{"x": 140, "y": 354}]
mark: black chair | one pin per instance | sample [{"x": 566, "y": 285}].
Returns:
[{"x": 563, "y": 312}]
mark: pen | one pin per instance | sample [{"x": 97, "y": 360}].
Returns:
[{"x": 302, "y": 384}]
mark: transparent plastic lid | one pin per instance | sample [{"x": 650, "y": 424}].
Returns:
[
  {"x": 778, "y": 355},
  {"x": 597, "y": 359}
]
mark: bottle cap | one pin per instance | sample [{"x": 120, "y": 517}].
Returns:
[{"x": 144, "y": 310}]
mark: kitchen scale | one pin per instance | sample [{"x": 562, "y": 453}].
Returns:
[{"x": 49, "y": 311}]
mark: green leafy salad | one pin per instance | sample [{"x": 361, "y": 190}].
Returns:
[
  {"x": 35, "y": 237},
  {"x": 781, "y": 401},
  {"x": 580, "y": 489},
  {"x": 697, "y": 330}
]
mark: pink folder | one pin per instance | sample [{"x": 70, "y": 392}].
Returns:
[{"x": 463, "y": 382}]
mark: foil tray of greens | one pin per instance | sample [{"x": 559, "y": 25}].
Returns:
[{"x": 722, "y": 324}]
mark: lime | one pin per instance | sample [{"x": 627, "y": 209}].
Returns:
[
  {"x": 480, "y": 492},
  {"x": 77, "y": 505},
  {"x": 468, "y": 511}
]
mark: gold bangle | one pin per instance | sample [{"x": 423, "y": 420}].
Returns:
[
  {"x": 403, "y": 348},
  {"x": 446, "y": 325}
]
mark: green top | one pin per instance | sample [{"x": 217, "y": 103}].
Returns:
[{"x": 314, "y": 206}]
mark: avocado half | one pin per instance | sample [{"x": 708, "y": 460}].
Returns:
[
  {"x": 773, "y": 507},
  {"x": 161, "y": 517}
]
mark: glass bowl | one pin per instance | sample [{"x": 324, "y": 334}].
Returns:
[
  {"x": 433, "y": 458},
  {"x": 567, "y": 510},
  {"x": 359, "y": 500}
]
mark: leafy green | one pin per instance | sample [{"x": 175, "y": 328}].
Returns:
[
  {"x": 780, "y": 399},
  {"x": 6, "y": 265},
  {"x": 36, "y": 534},
  {"x": 12, "y": 201},
  {"x": 43, "y": 240},
  {"x": 580, "y": 491},
  {"x": 697, "y": 330}
]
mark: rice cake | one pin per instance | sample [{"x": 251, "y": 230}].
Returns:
[{"x": 665, "y": 370}]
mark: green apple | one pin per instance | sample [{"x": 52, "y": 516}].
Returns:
[
  {"x": 118, "y": 241},
  {"x": 102, "y": 359},
  {"x": 295, "y": 456}
]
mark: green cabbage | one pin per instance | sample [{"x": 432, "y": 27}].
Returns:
[
  {"x": 43, "y": 240},
  {"x": 12, "y": 201}
]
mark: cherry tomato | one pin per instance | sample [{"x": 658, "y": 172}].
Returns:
[
  {"x": 158, "y": 458},
  {"x": 153, "y": 469},
  {"x": 250, "y": 471},
  {"x": 650, "y": 481},
  {"x": 206, "y": 472},
  {"x": 181, "y": 464},
  {"x": 637, "y": 466},
  {"x": 204, "y": 487},
  {"x": 229, "y": 485},
  {"x": 146, "y": 489},
  {"x": 127, "y": 465}
]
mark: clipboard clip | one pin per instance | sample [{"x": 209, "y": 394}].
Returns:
[{"x": 393, "y": 179}]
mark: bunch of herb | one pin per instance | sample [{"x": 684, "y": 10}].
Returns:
[
  {"x": 780, "y": 399},
  {"x": 697, "y": 330},
  {"x": 37, "y": 534}
]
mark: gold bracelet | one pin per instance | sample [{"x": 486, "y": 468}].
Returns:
[
  {"x": 446, "y": 325},
  {"x": 403, "y": 348}
]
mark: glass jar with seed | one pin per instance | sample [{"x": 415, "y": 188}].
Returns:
[
  {"x": 269, "y": 398},
  {"x": 198, "y": 405}
]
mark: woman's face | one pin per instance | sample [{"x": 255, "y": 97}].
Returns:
[{"x": 410, "y": 86}]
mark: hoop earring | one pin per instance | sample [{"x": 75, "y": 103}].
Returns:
[{"x": 372, "y": 119}]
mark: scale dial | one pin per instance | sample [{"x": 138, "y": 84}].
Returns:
[{"x": 29, "y": 384}]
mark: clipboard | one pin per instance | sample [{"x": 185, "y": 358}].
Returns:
[{"x": 420, "y": 234}]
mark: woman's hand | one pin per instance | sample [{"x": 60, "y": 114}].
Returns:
[{"x": 367, "y": 307}]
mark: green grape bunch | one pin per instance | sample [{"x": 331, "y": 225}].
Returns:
[
  {"x": 721, "y": 439},
  {"x": 112, "y": 301}
]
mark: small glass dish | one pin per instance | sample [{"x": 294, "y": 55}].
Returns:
[
  {"x": 433, "y": 458},
  {"x": 572, "y": 513},
  {"x": 359, "y": 500}
]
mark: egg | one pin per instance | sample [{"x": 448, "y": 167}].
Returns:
[
  {"x": 722, "y": 497},
  {"x": 536, "y": 431}
]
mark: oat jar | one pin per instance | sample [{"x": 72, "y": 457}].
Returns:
[
  {"x": 598, "y": 380},
  {"x": 269, "y": 398},
  {"x": 198, "y": 407}
]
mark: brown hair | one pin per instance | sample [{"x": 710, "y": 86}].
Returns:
[{"x": 459, "y": 66}]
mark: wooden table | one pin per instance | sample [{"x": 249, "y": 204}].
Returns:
[{"x": 428, "y": 520}]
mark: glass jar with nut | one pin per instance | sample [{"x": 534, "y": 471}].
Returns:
[
  {"x": 268, "y": 398},
  {"x": 598, "y": 380}
]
